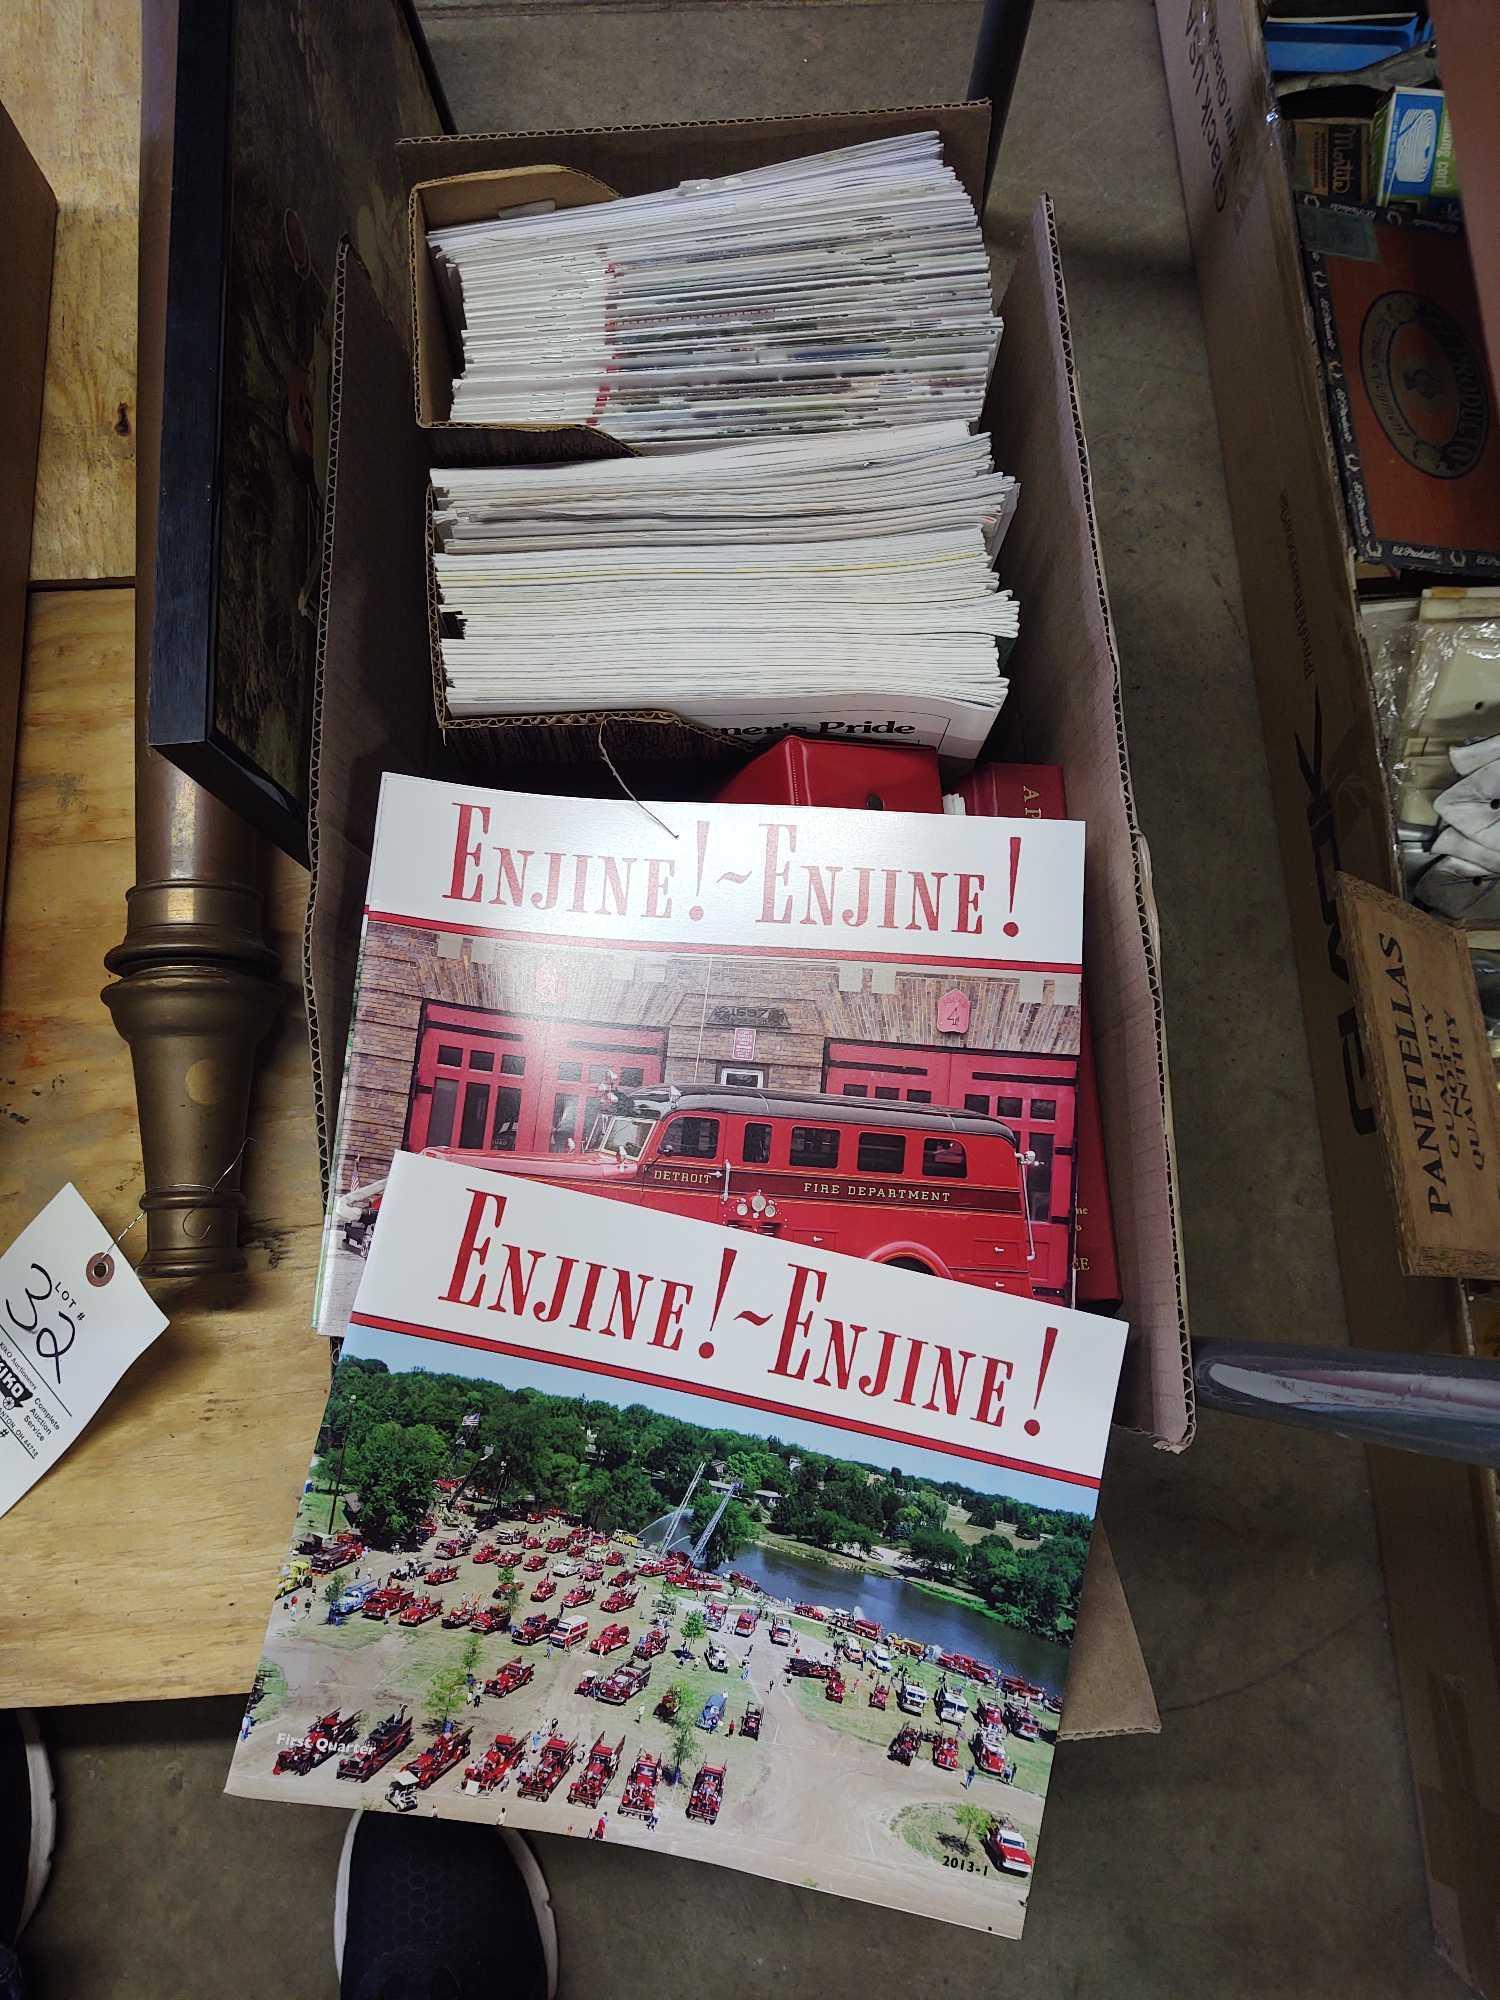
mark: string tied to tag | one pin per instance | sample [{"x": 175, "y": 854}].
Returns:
[
  {"x": 101, "y": 1266},
  {"x": 609, "y": 765}
]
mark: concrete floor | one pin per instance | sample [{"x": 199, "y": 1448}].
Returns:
[{"x": 1265, "y": 1844}]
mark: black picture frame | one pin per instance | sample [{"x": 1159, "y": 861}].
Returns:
[{"x": 197, "y": 507}]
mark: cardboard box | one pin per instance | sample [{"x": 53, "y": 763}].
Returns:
[
  {"x": 374, "y": 708},
  {"x": 1439, "y": 1523}
]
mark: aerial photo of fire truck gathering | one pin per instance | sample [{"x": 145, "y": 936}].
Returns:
[{"x": 510, "y": 1602}]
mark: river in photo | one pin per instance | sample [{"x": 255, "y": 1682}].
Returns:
[{"x": 898, "y": 1606}]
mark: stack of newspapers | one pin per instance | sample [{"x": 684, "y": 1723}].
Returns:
[
  {"x": 839, "y": 292},
  {"x": 843, "y": 585},
  {"x": 806, "y": 535}
]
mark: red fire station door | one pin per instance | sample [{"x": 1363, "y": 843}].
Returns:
[
  {"x": 494, "y": 1082},
  {"x": 1034, "y": 1095}
]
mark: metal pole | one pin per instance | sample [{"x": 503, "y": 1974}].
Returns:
[
  {"x": 197, "y": 989},
  {"x": 997, "y": 59},
  {"x": 1442, "y": 1405}
]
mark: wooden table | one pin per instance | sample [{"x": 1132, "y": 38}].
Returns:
[
  {"x": 141, "y": 1566},
  {"x": 70, "y": 78}
]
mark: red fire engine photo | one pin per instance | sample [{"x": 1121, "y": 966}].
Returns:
[{"x": 911, "y": 1115}]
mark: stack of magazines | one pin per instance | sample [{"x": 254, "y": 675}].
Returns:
[
  {"x": 841, "y": 583},
  {"x": 624, "y": 1163},
  {"x": 846, "y": 290}
]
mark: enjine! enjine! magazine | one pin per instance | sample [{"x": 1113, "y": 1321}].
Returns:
[
  {"x": 634, "y": 1527},
  {"x": 869, "y": 1019},
  {"x": 710, "y": 1514}
]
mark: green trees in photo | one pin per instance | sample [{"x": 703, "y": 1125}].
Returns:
[
  {"x": 755, "y": 1468},
  {"x": 620, "y": 1501},
  {"x": 829, "y": 1529},
  {"x": 617, "y": 1470},
  {"x": 938, "y": 1551},
  {"x": 393, "y": 1468},
  {"x": 684, "y": 1744},
  {"x": 445, "y": 1693},
  {"x": 732, "y": 1531},
  {"x": 1032, "y": 1587}
]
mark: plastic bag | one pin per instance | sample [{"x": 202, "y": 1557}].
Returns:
[{"x": 1449, "y": 688}]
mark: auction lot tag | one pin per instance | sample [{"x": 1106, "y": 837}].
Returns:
[{"x": 73, "y": 1316}]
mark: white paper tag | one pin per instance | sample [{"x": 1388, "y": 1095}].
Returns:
[{"x": 73, "y": 1316}]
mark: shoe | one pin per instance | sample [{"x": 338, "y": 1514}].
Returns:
[
  {"x": 28, "y": 1831},
  {"x": 423, "y": 1909}
]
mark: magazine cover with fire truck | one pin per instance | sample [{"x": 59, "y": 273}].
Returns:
[
  {"x": 853, "y": 1029},
  {"x": 693, "y": 1534},
  {"x": 713, "y": 1453}
]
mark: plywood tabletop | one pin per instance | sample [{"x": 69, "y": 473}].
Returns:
[
  {"x": 142, "y": 1566},
  {"x": 70, "y": 78}
]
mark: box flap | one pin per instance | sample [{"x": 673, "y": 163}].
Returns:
[
  {"x": 639, "y": 159},
  {"x": 1058, "y": 714},
  {"x": 1109, "y": 1689},
  {"x": 372, "y": 701}
]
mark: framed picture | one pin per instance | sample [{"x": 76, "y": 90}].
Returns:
[{"x": 286, "y": 118}]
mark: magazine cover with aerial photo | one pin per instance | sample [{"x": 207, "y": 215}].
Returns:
[
  {"x": 867, "y": 1021},
  {"x": 632, "y": 1526}
]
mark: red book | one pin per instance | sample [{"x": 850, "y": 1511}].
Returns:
[
  {"x": 797, "y": 772},
  {"x": 1058, "y": 1121},
  {"x": 1035, "y": 791}
]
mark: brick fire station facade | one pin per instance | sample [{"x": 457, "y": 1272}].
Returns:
[{"x": 504, "y": 1047}]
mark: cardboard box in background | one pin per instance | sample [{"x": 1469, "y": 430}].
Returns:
[
  {"x": 1439, "y": 1524},
  {"x": 1432, "y": 1080},
  {"x": 30, "y": 211},
  {"x": 374, "y": 712}
]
